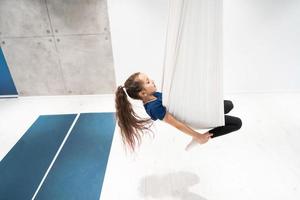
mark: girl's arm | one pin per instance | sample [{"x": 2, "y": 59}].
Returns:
[{"x": 201, "y": 138}]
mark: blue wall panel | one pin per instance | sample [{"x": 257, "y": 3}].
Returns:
[{"x": 7, "y": 86}]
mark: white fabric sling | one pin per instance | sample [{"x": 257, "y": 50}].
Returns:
[{"x": 192, "y": 82}]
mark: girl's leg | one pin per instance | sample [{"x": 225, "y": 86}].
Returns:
[{"x": 231, "y": 124}]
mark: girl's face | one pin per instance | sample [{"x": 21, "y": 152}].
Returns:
[{"x": 149, "y": 85}]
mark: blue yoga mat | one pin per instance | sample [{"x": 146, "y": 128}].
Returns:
[
  {"x": 23, "y": 168},
  {"x": 7, "y": 86},
  {"x": 79, "y": 170}
]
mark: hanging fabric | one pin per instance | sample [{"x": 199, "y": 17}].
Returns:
[{"x": 192, "y": 82}]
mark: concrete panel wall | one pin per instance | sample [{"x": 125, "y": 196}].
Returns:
[
  {"x": 34, "y": 65},
  {"x": 56, "y": 47},
  {"x": 78, "y": 16},
  {"x": 25, "y": 18},
  {"x": 83, "y": 73}
]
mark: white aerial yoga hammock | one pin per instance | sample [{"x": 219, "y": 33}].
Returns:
[{"x": 192, "y": 82}]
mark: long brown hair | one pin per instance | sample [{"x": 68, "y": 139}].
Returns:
[{"x": 131, "y": 125}]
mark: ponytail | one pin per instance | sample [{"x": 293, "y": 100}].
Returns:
[{"x": 131, "y": 125}]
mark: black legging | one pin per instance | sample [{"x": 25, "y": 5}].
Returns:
[{"x": 231, "y": 123}]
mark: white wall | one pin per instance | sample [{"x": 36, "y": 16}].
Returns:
[
  {"x": 261, "y": 42},
  {"x": 138, "y": 29},
  {"x": 261, "y": 45}
]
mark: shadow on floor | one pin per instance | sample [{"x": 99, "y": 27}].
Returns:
[{"x": 175, "y": 185}]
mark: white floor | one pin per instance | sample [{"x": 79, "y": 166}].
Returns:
[{"x": 259, "y": 161}]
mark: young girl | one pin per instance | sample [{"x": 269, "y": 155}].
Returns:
[{"x": 139, "y": 86}]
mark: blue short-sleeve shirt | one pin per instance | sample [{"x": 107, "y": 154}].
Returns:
[{"x": 154, "y": 108}]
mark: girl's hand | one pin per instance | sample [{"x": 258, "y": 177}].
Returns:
[
  {"x": 198, "y": 137},
  {"x": 202, "y": 138}
]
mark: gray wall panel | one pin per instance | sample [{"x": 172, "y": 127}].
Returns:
[
  {"x": 87, "y": 64},
  {"x": 34, "y": 65},
  {"x": 77, "y": 60},
  {"x": 78, "y": 16},
  {"x": 24, "y": 18}
]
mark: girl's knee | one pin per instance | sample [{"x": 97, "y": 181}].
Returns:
[
  {"x": 231, "y": 104},
  {"x": 239, "y": 123},
  {"x": 228, "y": 106}
]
